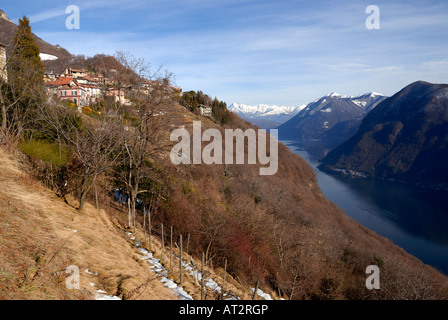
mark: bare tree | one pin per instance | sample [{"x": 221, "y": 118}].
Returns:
[
  {"x": 144, "y": 138},
  {"x": 94, "y": 144}
]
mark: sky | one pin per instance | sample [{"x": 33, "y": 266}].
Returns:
[{"x": 277, "y": 52}]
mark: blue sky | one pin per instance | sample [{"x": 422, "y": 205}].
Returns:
[{"x": 284, "y": 52}]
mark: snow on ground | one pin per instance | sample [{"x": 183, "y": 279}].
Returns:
[
  {"x": 265, "y": 296},
  {"x": 162, "y": 272},
  {"x": 46, "y": 56},
  {"x": 101, "y": 294},
  {"x": 360, "y": 103}
]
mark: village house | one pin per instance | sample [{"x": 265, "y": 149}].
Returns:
[
  {"x": 91, "y": 79},
  {"x": 49, "y": 76},
  {"x": 88, "y": 94},
  {"x": 3, "y": 73},
  {"x": 75, "y": 94},
  {"x": 53, "y": 86},
  {"x": 93, "y": 93},
  {"x": 75, "y": 73},
  {"x": 119, "y": 96}
]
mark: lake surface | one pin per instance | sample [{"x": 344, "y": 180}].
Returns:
[{"x": 414, "y": 218}]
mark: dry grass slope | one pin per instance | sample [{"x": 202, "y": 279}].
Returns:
[
  {"x": 40, "y": 236},
  {"x": 38, "y": 242}
]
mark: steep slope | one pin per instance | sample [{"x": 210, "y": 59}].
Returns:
[
  {"x": 265, "y": 116},
  {"x": 332, "y": 116},
  {"x": 405, "y": 137},
  {"x": 282, "y": 228},
  {"x": 40, "y": 236},
  {"x": 8, "y": 30}
]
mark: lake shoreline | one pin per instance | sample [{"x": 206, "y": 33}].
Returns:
[{"x": 413, "y": 217}]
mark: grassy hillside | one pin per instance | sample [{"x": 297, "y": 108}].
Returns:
[
  {"x": 38, "y": 242},
  {"x": 41, "y": 235}
]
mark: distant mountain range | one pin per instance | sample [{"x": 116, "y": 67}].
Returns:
[
  {"x": 405, "y": 138},
  {"x": 333, "y": 116},
  {"x": 8, "y": 30},
  {"x": 265, "y": 116}
]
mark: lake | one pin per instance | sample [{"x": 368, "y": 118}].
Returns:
[{"x": 414, "y": 218}]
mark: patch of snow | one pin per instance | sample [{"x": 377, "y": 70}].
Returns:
[
  {"x": 327, "y": 110},
  {"x": 265, "y": 296},
  {"x": 102, "y": 295},
  {"x": 160, "y": 270},
  {"x": 360, "y": 103},
  {"x": 90, "y": 272},
  {"x": 46, "y": 56}
]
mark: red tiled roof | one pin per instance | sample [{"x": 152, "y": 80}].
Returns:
[{"x": 61, "y": 82}]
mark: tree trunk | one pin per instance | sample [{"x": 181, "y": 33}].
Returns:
[
  {"x": 86, "y": 185},
  {"x": 3, "y": 114},
  {"x": 202, "y": 277},
  {"x": 224, "y": 279}
]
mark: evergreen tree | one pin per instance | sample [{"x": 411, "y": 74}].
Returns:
[
  {"x": 26, "y": 51},
  {"x": 24, "y": 90},
  {"x": 25, "y": 70}
]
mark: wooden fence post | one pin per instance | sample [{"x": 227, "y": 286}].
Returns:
[
  {"x": 149, "y": 230},
  {"x": 224, "y": 279},
  {"x": 254, "y": 297},
  {"x": 96, "y": 198},
  {"x": 171, "y": 249},
  {"x": 188, "y": 243},
  {"x": 180, "y": 260},
  {"x": 163, "y": 246},
  {"x": 202, "y": 277}
]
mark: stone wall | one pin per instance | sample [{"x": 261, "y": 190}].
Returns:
[{"x": 2, "y": 62}]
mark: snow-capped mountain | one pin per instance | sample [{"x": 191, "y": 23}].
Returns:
[
  {"x": 265, "y": 116},
  {"x": 403, "y": 138},
  {"x": 331, "y": 116}
]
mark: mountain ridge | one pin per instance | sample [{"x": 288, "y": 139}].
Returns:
[
  {"x": 331, "y": 116},
  {"x": 405, "y": 137},
  {"x": 263, "y": 115}
]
